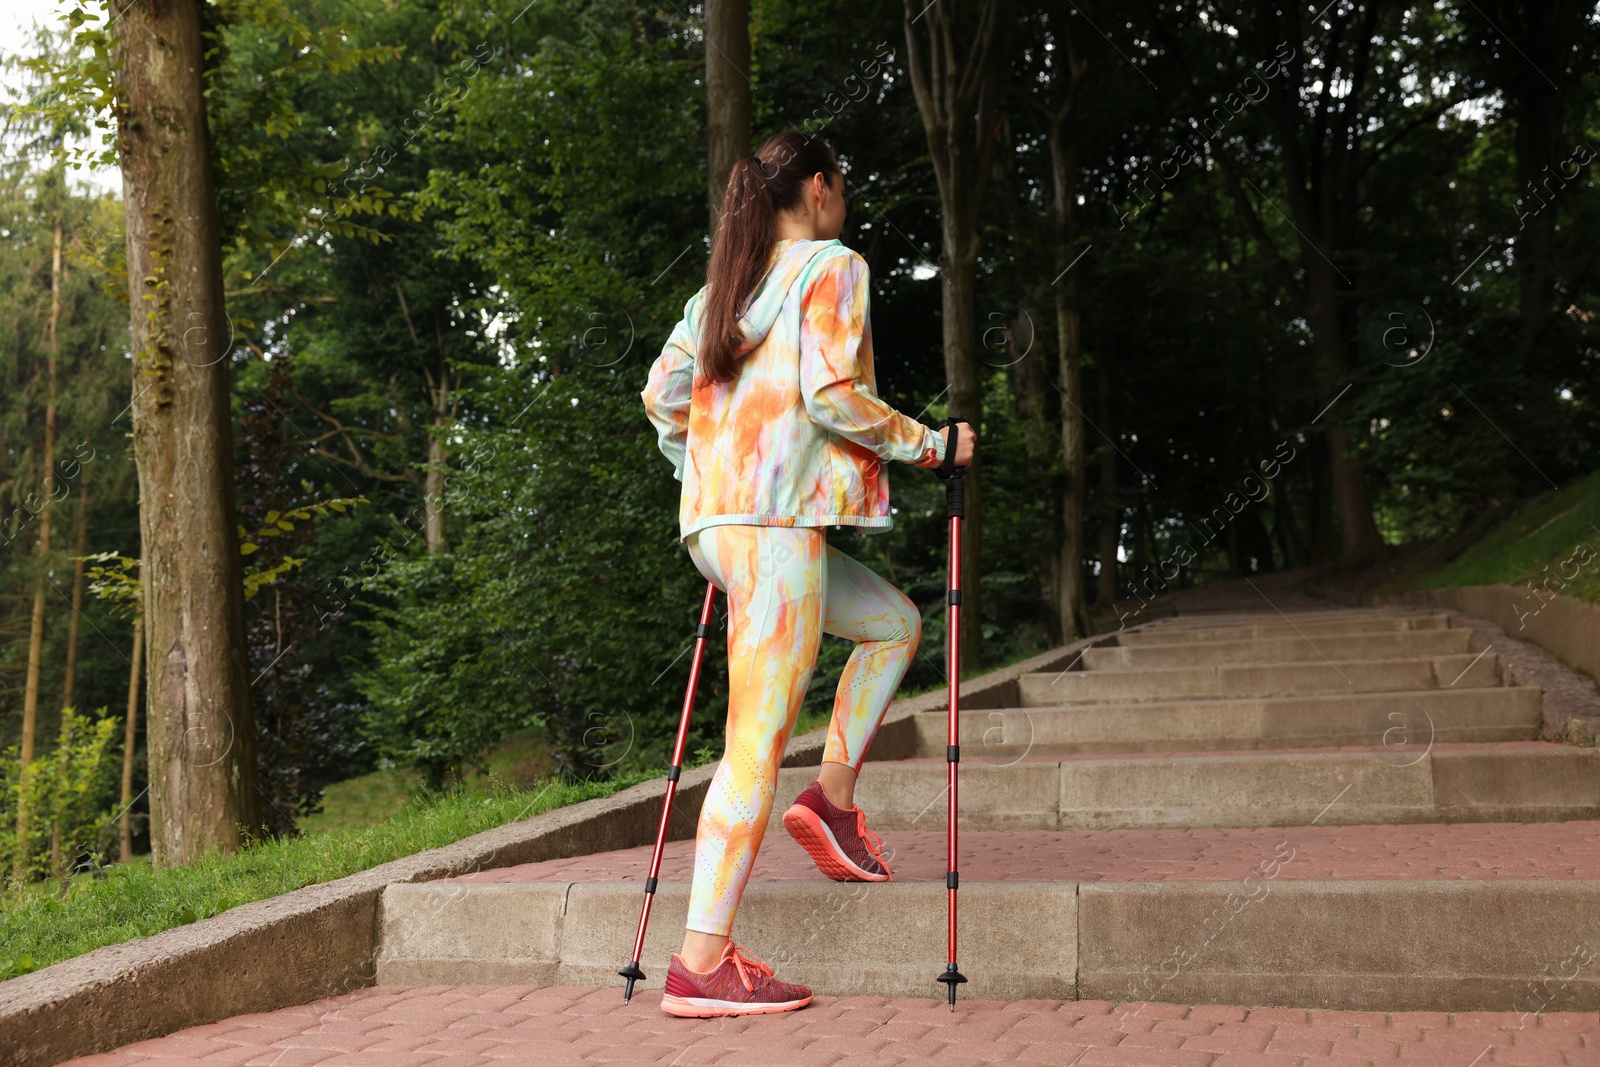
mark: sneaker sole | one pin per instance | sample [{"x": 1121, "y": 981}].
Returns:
[
  {"x": 706, "y": 1008},
  {"x": 813, "y": 835}
]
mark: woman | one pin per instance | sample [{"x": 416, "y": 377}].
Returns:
[{"x": 764, "y": 401}]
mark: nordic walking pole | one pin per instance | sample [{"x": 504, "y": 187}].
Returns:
[
  {"x": 955, "y": 498},
  {"x": 632, "y": 972}
]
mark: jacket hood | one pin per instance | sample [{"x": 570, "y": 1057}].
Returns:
[{"x": 791, "y": 266}]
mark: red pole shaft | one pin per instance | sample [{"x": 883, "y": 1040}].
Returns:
[
  {"x": 677, "y": 760},
  {"x": 953, "y": 646}
]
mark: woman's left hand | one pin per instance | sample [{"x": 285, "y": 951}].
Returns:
[{"x": 966, "y": 443}]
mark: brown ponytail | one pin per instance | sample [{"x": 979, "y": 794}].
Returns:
[{"x": 760, "y": 187}]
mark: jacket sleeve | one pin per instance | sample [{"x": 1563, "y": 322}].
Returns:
[
  {"x": 836, "y": 367},
  {"x": 666, "y": 394}
]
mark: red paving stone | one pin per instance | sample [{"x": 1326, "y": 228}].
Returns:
[
  {"x": 1392, "y": 755},
  {"x": 523, "y": 1026},
  {"x": 1438, "y": 851}
]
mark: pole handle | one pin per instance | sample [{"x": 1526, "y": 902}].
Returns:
[{"x": 953, "y": 477}]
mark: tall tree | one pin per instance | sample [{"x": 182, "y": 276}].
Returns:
[
  {"x": 30, "y": 695},
  {"x": 954, "y": 69},
  {"x": 1539, "y": 72},
  {"x": 130, "y": 737},
  {"x": 1110, "y": 505},
  {"x": 442, "y": 389},
  {"x": 1029, "y": 373},
  {"x": 728, "y": 101},
  {"x": 80, "y": 547},
  {"x": 1068, "y": 68},
  {"x": 1335, "y": 103},
  {"x": 200, "y": 732}
]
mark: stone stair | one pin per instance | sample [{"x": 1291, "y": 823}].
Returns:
[{"x": 1309, "y": 807}]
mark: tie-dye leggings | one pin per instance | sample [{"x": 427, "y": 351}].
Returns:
[{"x": 786, "y": 587}]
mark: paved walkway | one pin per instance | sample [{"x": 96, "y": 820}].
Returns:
[
  {"x": 1441, "y": 851},
  {"x": 1394, "y": 755},
  {"x": 520, "y": 1026},
  {"x": 479, "y": 1026}
]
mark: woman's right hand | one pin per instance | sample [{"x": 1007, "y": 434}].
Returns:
[{"x": 966, "y": 443}]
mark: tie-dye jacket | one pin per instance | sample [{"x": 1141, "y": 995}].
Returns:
[{"x": 800, "y": 436}]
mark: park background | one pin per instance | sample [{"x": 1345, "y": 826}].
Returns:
[{"x": 1228, "y": 290}]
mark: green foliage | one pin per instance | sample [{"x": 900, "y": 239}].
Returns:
[
  {"x": 112, "y": 580},
  {"x": 44, "y": 924},
  {"x": 565, "y": 605},
  {"x": 275, "y": 525},
  {"x": 277, "y": 172},
  {"x": 64, "y": 793},
  {"x": 1552, "y": 542},
  {"x": 119, "y": 586},
  {"x": 91, "y": 462}
]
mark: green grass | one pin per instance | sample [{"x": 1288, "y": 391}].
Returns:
[
  {"x": 42, "y": 925},
  {"x": 370, "y": 799},
  {"x": 364, "y": 801},
  {"x": 1554, "y": 537}
]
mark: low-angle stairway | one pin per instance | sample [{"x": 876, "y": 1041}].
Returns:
[{"x": 1284, "y": 804}]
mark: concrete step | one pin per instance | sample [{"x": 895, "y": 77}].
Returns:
[
  {"x": 1383, "y": 946},
  {"x": 1338, "y": 809},
  {"x": 1287, "y": 648},
  {"x": 1523, "y": 781},
  {"x": 1361, "y": 852},
  {"x": 1400, "y": 721},
  {"x": 1332, "y": 623},
  {"x": 1264, "y": 612},
  {"x": 1239, "y": 680},
  {"x": 1263, "y": 609},
  {"x": 1265, "y": 925},
  {"x": 840, "y": 938}
]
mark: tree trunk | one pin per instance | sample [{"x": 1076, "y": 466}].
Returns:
[
  {"x": 1030, "y": 380},
  {"x": 1141, "y": 536},
  {"x": 957, "y": 88},
  {"x": 56, "y": 866},
  {"x": 1110, "y": 506},
  {"x": 1538, "y": 162},
  {"x": 1231, "y": 544},
  {"x": 30, "y": 691},
  {"x": 960, "y": 272},
  {"x": 433, "y": 486},
  {"x": 1323, "y": 157},
  {"x": 1071, "y": 596},
  {"x": 201, "y": 733},
  {"x": 1031, "y": 385},
  {"x": 1547, "y": 31},
  {"x": 728, "y": 98},
  {"x": 1256, "y": 547},
  {"x": 1359, "y": 540},
  {"x": 129, "y": 736},
  {"x": 1321, "y": 553},
  {"x": 1287, "y": 529},
  {"x": 81, "y": 549}
]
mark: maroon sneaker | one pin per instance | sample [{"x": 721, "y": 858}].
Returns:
[
  {"x": 740, "y": 984},
  {"x": 837, "y": 838}
]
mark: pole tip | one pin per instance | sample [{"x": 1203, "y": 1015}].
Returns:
[
  {"x": 952, "y": 978},
  {"x": 632, "y": 973}
]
